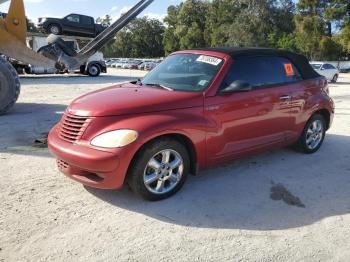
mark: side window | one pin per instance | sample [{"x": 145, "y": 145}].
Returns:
[
  {"x": 71, "y": 44},
  {"x": 86, "y": 20},
  {"x": 73, "y": 18},
  {"x": 328, "y": 66},
  {"x": 262, "y": 71}
]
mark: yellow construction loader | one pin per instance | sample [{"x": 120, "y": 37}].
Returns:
[{"x": 13, "y": 33}]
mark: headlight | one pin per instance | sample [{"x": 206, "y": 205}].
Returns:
[{"x": 115, "y": 139}]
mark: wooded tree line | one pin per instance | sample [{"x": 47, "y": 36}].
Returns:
[
  {"x": 143, "y": 37},
  {"x": 320, "y": 29}
]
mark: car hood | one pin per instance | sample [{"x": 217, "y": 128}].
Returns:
[
  {"x": 129, "y": 98},
  {"x": 48, "y": 17},
  {"x": 42, "y": 19}
]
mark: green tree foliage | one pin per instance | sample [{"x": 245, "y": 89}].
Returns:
[
  {"x": 329, "y": 49},
  {"x": 123, "y": 44},
  {"x": 185, "y": 25},
  {"x": 309, "y": 31},
  {"x": 315, "y": 30},
  {"x": 31, "y": 27},
  {"x": 250, "y": 27},
  {"x": 320, "y": 29},
  {"x": 229, "y": 22},
  {"x": 147, "y": 37},
  {"x": 143, "y": 37},
  {"x": 109, "y": 49},
  {"x": 171, "y": 40},
  {"x": 221, "y": 14},
  {"x": 343, "y": 38},
  {"x": 107, "y": 20},
  {"x": 339, "y": 12}
]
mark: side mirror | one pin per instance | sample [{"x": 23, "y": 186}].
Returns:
[{"x": 237, "y": 86}]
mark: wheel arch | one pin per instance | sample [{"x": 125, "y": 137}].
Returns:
[
  {"x": 91, "y": 63},
  {"x": 56, "y": 24},
  {"x": 326, "y": 114},
  {"x": 183, "y": 139}
]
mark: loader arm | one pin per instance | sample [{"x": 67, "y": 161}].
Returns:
[
  {"x": 73, "y": 62},
  {"x": 109, "y": 33},
  {"x": 13, "y": 33}
]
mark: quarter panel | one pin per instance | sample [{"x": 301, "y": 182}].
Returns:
[{"x": 307, "y": 98}]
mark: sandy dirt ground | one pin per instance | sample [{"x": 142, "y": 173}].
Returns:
[{"x": 223, "y": 214}]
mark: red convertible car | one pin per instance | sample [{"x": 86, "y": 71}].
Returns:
[{"x": 198, "y": 108}]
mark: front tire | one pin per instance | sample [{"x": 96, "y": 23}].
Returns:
[
  {"x": 10, "y": 86},
  {"x": 313, "y": 134},
  {"x": 159, "y": 170},
  {"x": 54, "y": 29}
]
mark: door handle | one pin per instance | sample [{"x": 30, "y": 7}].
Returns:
[{"x": 286, "y": 97}]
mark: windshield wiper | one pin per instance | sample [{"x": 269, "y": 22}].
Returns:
[
  {"x": 139, "y": 82},
  {"x": 159, "y": 86}
]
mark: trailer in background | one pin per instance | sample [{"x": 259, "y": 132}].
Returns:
[
  {"x": 94, "y": 66},
  {"x": 57, "y": 54}
]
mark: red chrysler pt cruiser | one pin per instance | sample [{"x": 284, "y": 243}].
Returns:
[{"x": 197, "y": 109}]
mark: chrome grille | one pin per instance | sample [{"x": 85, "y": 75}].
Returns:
[{"x": 72, "y": 127}]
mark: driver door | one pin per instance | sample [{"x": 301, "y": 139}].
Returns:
[{"x": 72, "y": 23}]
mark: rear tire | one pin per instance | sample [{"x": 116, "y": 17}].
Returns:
[
  {"x": 94, "y": 70},
  {"x": 313, "y": 135},
  {"x": 164, "y": 178},
  {"x": 334, "y": 79},
  {"x": 10, "y": 86}
]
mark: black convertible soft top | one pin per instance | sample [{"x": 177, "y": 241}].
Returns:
[{"x": 300, "y": 61}]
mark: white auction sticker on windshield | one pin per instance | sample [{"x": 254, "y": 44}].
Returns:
[{"x": 209, "y": 60}]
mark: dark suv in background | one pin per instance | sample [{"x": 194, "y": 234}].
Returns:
[{"x": 73, "y": 24}]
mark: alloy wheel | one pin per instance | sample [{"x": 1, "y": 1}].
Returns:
[
  {"x": 93, "y": 70},
  {"x": 54, "y": 30},
  {"x": 314, "y": 134},
  {"x": 163, "y": 172}
]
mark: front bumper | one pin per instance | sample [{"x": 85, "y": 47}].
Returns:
[
  {"x": 89, "y": 166},
  {"x": 41, "y": 28}
]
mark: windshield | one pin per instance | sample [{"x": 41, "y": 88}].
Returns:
[
  {"x": 316, "y": 66},
  {"x": 185, "y": 72}
]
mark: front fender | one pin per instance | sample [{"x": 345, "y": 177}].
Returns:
[{"x": 186, "y": 122}]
